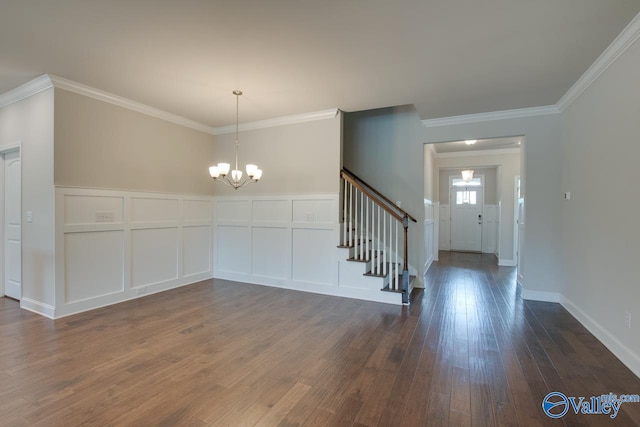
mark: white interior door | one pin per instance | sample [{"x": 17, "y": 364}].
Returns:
[
  {"x": 466, "y": 219},
  {"x": 11, "y": 236}
]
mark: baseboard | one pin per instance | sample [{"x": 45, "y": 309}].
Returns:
[
  {"x": 621, "y": 351},
  {"x": 506, "y": 262},
  {"x": 541, "y": 296},
  {"x": 38, "y": 307}
]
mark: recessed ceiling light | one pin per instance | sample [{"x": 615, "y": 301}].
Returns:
[{"x": 471, "y": 141}]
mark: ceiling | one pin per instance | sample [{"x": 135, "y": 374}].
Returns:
[
  {"x": 289, "y": 56},
  {"x": 481, "y": 144}
]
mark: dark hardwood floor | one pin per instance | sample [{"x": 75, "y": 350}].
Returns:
[{"x": 468, "y": 351}]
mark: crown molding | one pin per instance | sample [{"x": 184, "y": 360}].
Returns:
[
  {"x": 26, "y": 90},
  {"x": 47, "y": 81},
  {"x": 100, "y": 95},
  {"x": 625, "y": 39},
  {"x": 494, "y": 115},
  {"x": 278, "y": 121},
  {"x": 474, "y": 153}
]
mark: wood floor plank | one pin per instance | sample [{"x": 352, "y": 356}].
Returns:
[{"x": 467, "y": 351}]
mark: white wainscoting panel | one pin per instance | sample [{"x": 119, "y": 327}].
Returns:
[
  {"x": 315, "y": 211},
  {"x": 233, "y": 249},
  {"x": 281, "y": 240},
  {"x": 84, "y": 209},
  {"x": 270, "y": 253},
  {"x": 489, "y": 229},
  {"x": 275, "y": 211},
  {"x": 232, "y": 210},
  {"x": 197, "y": 210},
  {"x": 444, "y": 230},
  {"x": 112, "y": 245},
  {"x": 313, "y": 255},
  {"x": 93, "y": 264},
  {"x": 149, "y": 209},
  {"x": 429, "y": 234},
  {"x": 154, "y": 256},
  {"x": 197, "y": 250}
]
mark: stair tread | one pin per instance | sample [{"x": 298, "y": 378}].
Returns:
[
  {"x": 366, "y": 259},
  {"x": 358, "y": 242}
]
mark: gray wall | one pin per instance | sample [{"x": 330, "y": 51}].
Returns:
[
  {"x": 300, "y": 158},
  {"x": 385, "y": 147},
  {"x": 600, "y": 223},
  {"x": 100, "y": 145},
  {"x": 541, "y": 169},
  {"x": 31, "y": 122}
]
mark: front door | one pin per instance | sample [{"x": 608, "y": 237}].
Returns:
[
  {"x": 12, "y": 239},
  {"x": 466, "y": 219}
]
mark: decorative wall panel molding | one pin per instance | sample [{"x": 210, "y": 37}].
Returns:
[
  {"x": 287, "y": 241},
  {"x": 112, "y": 246}
]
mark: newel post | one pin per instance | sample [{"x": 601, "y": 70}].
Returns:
[{"x": 405, "y": 268}]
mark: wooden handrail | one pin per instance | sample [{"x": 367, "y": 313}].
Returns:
[
  {"x": 391, "y": 208},
  {"x": 372, "y": 196}
]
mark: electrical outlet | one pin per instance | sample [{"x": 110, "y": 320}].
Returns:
[
  {"x": 567, "y": 195},
  {"x": 627, "y": 319},
  {"x": 309, "y": 217},
  {"x": 104, "y": 216}
]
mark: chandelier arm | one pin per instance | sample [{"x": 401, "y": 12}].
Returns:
[{"x": 225, "y": 181}]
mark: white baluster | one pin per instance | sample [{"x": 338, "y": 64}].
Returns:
[
  {"x": 366, "y": 234},
  {"x": 378, "y": 252},
  {"x": 355, "y": 220},
  {"x": 361, "y": 225},
  {"x": 384, "y": 243},
  {"x": 395, "y": 265},
  {"x": 350, "y": 214},
  {"x": 344, "y": 215}
]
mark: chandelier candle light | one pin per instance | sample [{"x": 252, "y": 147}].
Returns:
[{"x": 221, "y": 172}]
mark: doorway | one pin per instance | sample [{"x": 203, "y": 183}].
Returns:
[
  {"x": 11, "y": 212},
  {"x": 466, "y": 217}
]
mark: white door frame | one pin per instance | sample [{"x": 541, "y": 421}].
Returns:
[
  {"x": 5, "y": 149},
  {"x": 451, "y": 204}
]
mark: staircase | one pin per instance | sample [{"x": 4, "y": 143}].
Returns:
[{"x": 373, "y": 250}]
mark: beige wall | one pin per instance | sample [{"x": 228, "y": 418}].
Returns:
[
  {"x": 600, "y": 223},
  {"x": 31, "y": 122},
  {"x": 300, "y": 158},
  {"x": 385, "y": 147},
  {"x": 100, "y": 145}
]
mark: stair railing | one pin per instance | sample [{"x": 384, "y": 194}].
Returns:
[{"x": 371, "y": 225}]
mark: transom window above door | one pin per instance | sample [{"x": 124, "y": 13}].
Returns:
[{"x": 458, "y": 182}]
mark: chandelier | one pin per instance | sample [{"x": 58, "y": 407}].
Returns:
[
  {"x": 467, "y": 175},
  {"x": 235, "y": 180}
]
